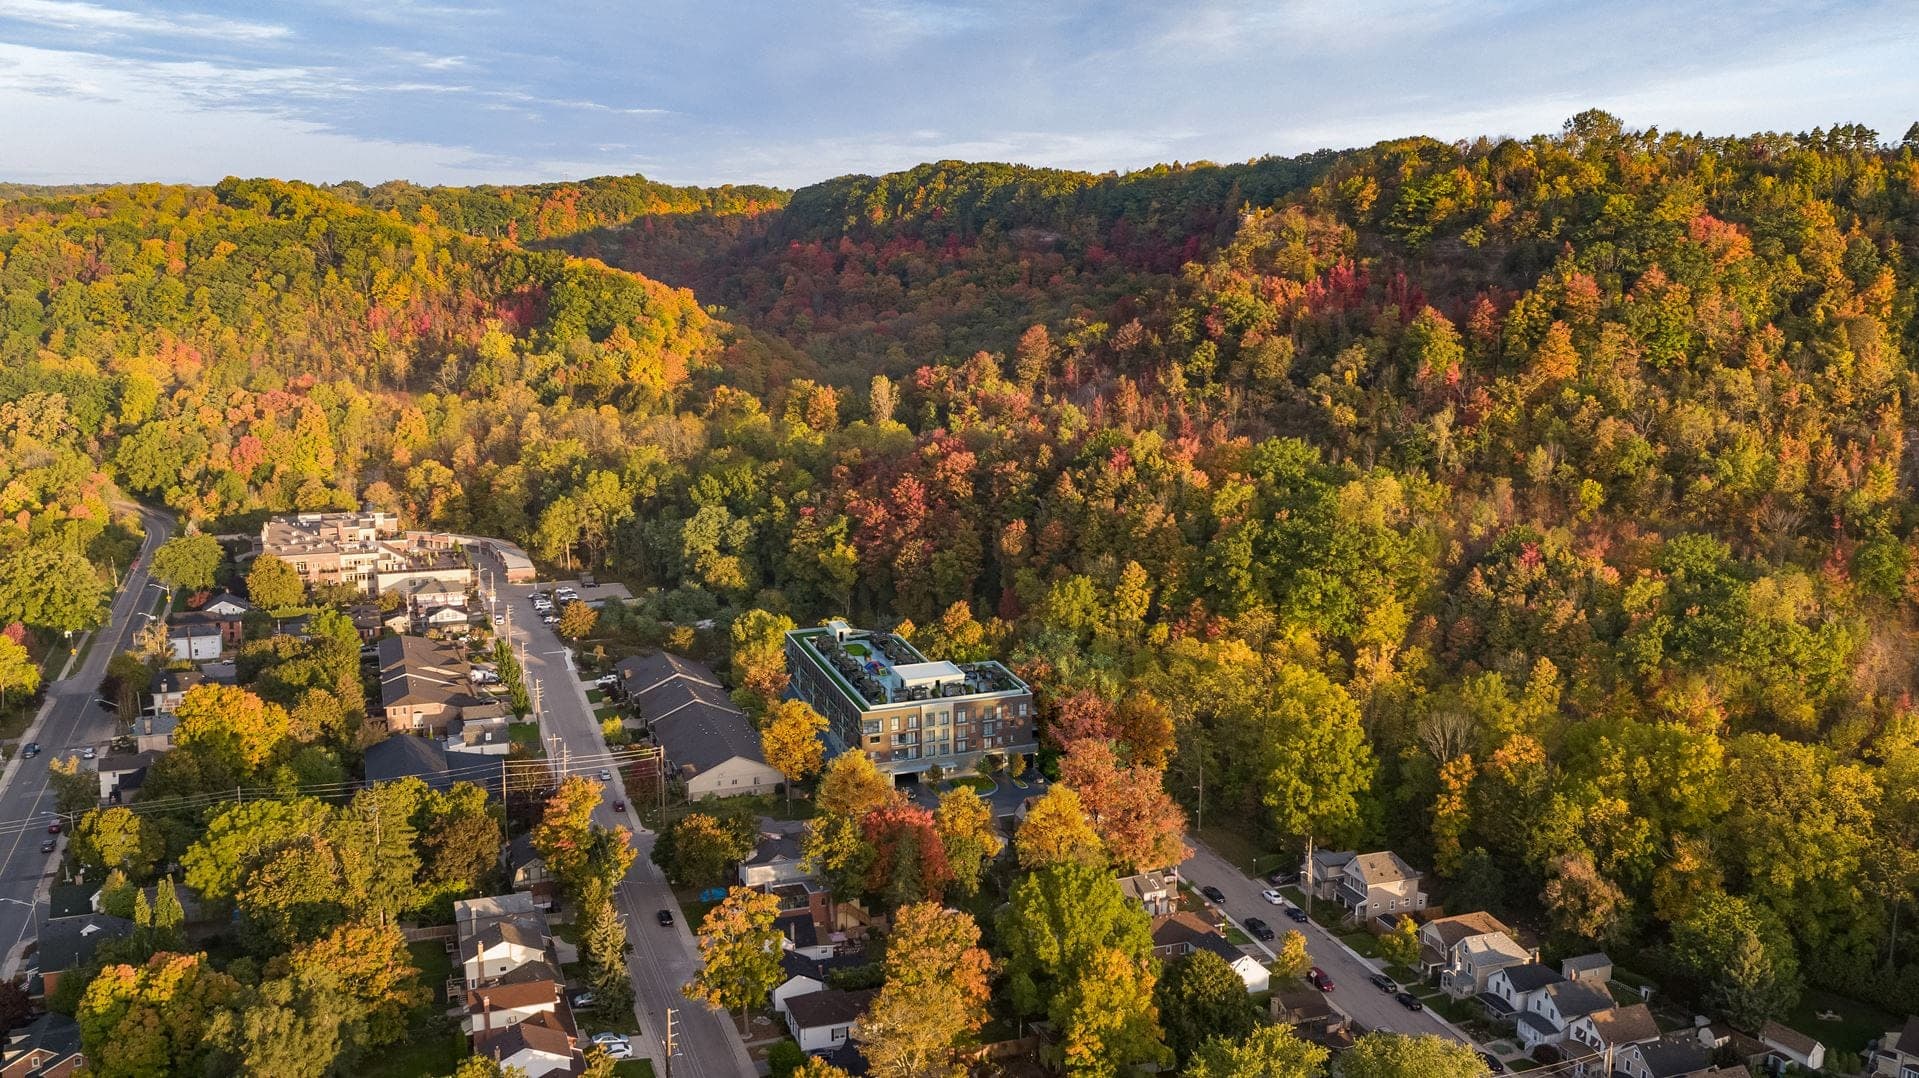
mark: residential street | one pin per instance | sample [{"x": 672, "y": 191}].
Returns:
[
  {"x": 1367, "y": 1005},
  {"x": 663, "y": 959},
  {"x": 69, "y": 719}
]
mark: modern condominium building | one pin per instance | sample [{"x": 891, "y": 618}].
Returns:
[
  {"x": 367, "y": 551},
  {"x": 906, "y": 712}
]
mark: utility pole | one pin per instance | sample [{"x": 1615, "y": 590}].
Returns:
[
  {"x": 1202, "y": 794},
  {"x": 669, "y": 1043}
]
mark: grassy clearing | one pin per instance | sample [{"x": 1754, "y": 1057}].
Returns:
[
  {"x": 634, "y": 1068},
  {"x": 433, "y": 1045},
  {"x": 1858, "y": 1022},
  {"x": 1362, "y": 941}
]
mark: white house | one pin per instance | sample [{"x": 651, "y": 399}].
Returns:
[
  {"x": 197, "y": 642},
  {"x": 511, "y": 1001},
  {"x": 1370, "y": 885},
  {"x": 1184, "y": 933},
  {"x": 1792, "y": 1046},
  {"x": 497, "y": 935},
  {"x": 1511, "y": 990},
  {"x": 776, "y": 859},
  {"x": 1551, "y": 1010},
  {"x": 1155, "y": 892},
  {"x": 822, "y": 1021},
  {"x": 534, "y": 1048},
  {"x": 227, "y": 605},
  {"x": 1612, "y": 1030},
  {"x": 1898, "y": 1053},
  {"x": 1675, "y": 1055}
]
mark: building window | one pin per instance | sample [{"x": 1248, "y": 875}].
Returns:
[{"x": 960, "y": 745}]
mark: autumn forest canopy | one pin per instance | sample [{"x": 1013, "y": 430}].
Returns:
[{"x": 1551, "y": 497}]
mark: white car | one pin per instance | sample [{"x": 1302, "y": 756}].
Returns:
[
  {"x": 610, "y": 1038},
  {"x": 1272, "y": 897},
  {"x": 618, "y": 1049},
  {"x": 89, "y": 753},
  {"x": 606, "y": 776}
]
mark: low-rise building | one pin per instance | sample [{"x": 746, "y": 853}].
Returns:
[
  {"x": 536, "y": 1048},
  {"x": 714, "y": 750},
  {"x": 776, "y": 858},
  {"x": 1155, "y": 892},
  {"x": 526, "y": 871},
  {"x": 1787, "y": 1045},
  {"x": 426, "y": 684},
  {"x": 121, "y": 773},
  {"x": 1375, "y": 888},
  {"x": 1897, "y": 1055},
  {"x": 1183, "y": 933},
  {"x": 1464, "y": 951},
  {"x": 403, "y": 756},
  {"x": 1314, "y": 1016},
  {"x": 68, "y": 943},
  {"x": 194, "y": 642},
  {"x": 823, "y": 1021},
  {"x": 1607, "y": 1032},
  {"x": 1675, "y": 1055},
  {"x": 643, "y": 673},
  {"x": 47, "y": 1047},
  {"x": 882, "y": 697}
]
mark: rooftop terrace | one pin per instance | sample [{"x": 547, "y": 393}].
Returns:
[{"x": 883, "y": 668}]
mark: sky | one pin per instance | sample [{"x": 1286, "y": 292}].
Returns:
[{"x": 789, "y": 92}]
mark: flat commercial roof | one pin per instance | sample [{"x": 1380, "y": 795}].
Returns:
[{"x": 912, "y": 674}]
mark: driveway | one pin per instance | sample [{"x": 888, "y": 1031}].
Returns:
[
  {"x": 1005, "y": 796},
  {"x": 1367, "y": 1005}
]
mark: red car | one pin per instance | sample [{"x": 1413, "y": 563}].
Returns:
[
  {"x": 1319, "y": 979},
  {"x": 53, "y": 828}
]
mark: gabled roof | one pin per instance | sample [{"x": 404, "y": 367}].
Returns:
[
  {"x": 501, "y": 934},
  {"x": 663, "y": 701},
  {"x": 1195, "y": 934},
  {"x": 1575, "y": 998},
  {"x": 504, "y": 1044},
  {"x": 1788, "y": 1038},
  {"x": 66, "y": 942},
  {"x": 829, "y": 1007},
  {"x": 1450, "y": 930},
  {"x": 774, "y": 848},
  {"x": 795, "y": 964},
  {"x": 1530, "y": 976},
  {"x": 642, "y": 672},
  {"x": 1674, "y": 1054},
  {"x": 1625, "y": 1025},
  {"x": 171, "y": 681},
  {"x": 1909, "y": 1037},
  {"x": 415, "y": 670},
  {"x": 507, "y": 995},
  {"x": 1382, "y": 867},
  {"x": 183, "y": 630},
  {"x": 1586, "y": 963},
  {"x": 703, "y": 736}
]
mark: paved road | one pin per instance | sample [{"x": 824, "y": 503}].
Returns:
[
  {"x": 1367, "y": 1005},
  {"x": 68, "y": 720},
  {"x": 663, "y": 959}
]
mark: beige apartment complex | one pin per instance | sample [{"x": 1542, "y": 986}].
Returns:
[{"x": 368, "y": 551}]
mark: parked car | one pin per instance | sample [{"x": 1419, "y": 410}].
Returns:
[
  {"x": 550, "y": 619},
  {"x": 1492, "y": 1062},
  {"x": 1280, "y": 878},
  {"x": 609, "y": 1038},
  {"x": 1319, "y": 979},
  {"x": 618, "y": 1049},
  {"x": 1260, "y": 929},
  {"x": 1213, "y": 894},
  {"x": 89, "y": 753},
  {"x": 499, "y": 619},
  {"x": 1297, "y": 914},
  {"x": 54, "y": 827},
  {"x": 582, "y": 1000},
  {"x": 1272, "y": 897},
  {"x": 1409, "y": 1001},
  {"x": 1384, "y": 983},
  {"x": 619, "y": 806},
  {"x": 48, "y": 845},
  {"x": 32, "y": 750},
  {"x": 665, "y": 917},
  {"x": 606, "y": 681}
]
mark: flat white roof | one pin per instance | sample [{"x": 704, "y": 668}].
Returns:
[{"x": 913, "y": 674}]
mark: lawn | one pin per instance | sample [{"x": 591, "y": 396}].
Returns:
[
  {"x": 1362, "y": 941},
  {"x": 528, "y": 735},
  {"x": 595, "y": 696},
  {"x": 1858, "y": 1022},
  {"x": 980, "y": 785},
  {"x": 433, "y": 1046},
  {"x": 634, "y": 1068}
]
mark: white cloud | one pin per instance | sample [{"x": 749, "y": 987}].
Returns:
[{"x": 100, "y": 21}]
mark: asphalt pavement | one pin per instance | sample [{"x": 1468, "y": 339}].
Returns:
[
  {"x": 1366, "y": 1004},
  {"x": 663, "y": 959},
  {"x": 69, "y": 720}
]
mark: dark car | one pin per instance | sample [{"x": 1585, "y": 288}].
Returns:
[
  {"x": 1280, "y": 878},
  {"x": 1296, "y": 914},
  {"x": 1492, "y": 1062},
  {"x": 665, "y": 917},
  {"x": 49, "y": 845},
  {"x": 1260, "y": 929},
  {"x": 32, "y": 750},
  {"x": 1409, "y": 1001},
  {"x": 1384, "y": 983},
  {"x": 619, "y": 806},
  {"x": 1319, "y": 979},
  {"x": 1213, "y": 894}
]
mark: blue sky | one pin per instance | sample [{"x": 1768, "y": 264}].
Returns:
[{"x": 792, "y": 91}]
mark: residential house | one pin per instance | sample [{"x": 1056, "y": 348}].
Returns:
[
  {"x": 1608, "y": 1032},
  {"x": 524, "y": 993},
  {"x": 1314, "y": 1016},
  {"x": 809, "y": 932},
  {"x": 194, "y": 642},
  {"x": 68, "y": 943},
  {"x": 1595, "y": 968},
  {"x": 499, "y": 934},
  {"x": 536, "y": 1048},
  {"x": 642, "y": 673},
  {"x": 402, "y": 756},
  {"x": 47, "y": 1047},
  {"x": 443, "y": 618},
  {"x": 1552, "y": 1010},
  {"x": 154, "y": 733},
  {"x": 526, "y": 872},
  {"x": 776, "y": 858},
  {"x": 1184, "y": 933},
  {"x": 1465, "y": 949},
  {"x": 807, "y": 975},
  {"x": 167, "y": 687},
  {"x": 231, "y": 625},
  {"x": 1323, "y": 871},
  {"x": 368, "y": 620},
  {"x": 880, "y": 696},
  {"x": 1675, "y": 1055},
  {"x": 475, "y": 731},
  {"x": 121, "y": 773},
  {"x": 1155, "y": 892},
  {"x": 425, "y": 684},
  {"x": 1897, "y": 1055},
  {"x": 1510, "y": 990},
  {"x": 711, "y": 746},
  {"x": 822, "y": 1021},
  {"x": 1788, "y": 1045},
  {"x": 1379, "y": 888}
]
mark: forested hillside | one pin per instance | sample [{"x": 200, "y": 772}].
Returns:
[{"x": 1541, "y": 509}]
